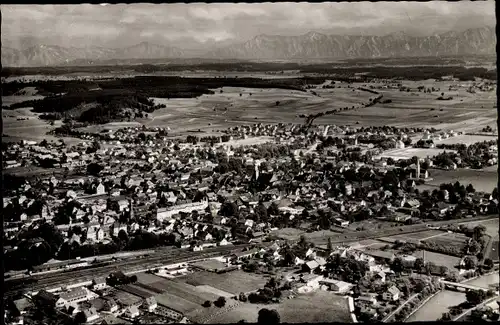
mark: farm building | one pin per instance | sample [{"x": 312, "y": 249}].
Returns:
[
  {"x": 336, "y": 285},
  {"x": 392, "y": 294},
  {"x": 381, "y": 255}
]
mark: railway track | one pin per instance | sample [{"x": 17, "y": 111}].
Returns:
[{"x": 60, "y": 278}]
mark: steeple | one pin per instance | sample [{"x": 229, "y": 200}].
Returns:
[
  {"x": 256, "y": 171},
  {"x": 418, "y": 169},
  {"x": 131, "y": 209}
]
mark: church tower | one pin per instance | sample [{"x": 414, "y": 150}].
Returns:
[
  {"x": 418, "y": 169},
  {"x": 131, "y": 202},
  {"x": 256, "y": 171}
]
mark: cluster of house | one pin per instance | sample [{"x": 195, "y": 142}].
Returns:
[
  {"x": 122, "y": 196},
  {"x": 441, "y": 135},
  {"x": 97, "y": 302}
]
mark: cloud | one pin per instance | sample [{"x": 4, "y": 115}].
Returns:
[{"x": 122, "y": 25}]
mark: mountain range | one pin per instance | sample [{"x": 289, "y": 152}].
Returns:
[{"x": 312, "y": 45}]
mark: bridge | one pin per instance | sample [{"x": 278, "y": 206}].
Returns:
[{"x": 462, "y": 285}]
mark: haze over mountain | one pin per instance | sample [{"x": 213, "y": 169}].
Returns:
[
  {"x": 60, "y": 34},
  {"x": 311, "y": 45}
]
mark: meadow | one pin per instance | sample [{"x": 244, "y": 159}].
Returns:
[{"x": 315, "y": 307}]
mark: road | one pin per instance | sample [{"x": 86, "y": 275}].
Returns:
[
  {"x": 398, "y": 309},
  {"x": 473, "y": 308},
  {"x": 63, "y": 278}
]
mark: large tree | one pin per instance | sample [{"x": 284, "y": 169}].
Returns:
[{"x": 267, "y": 316}]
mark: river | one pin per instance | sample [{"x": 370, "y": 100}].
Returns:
[{"x": 440, "y": 303}]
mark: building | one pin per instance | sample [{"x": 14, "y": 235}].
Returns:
[
  {"x": 98, "y": 284},
  {"x": 341, "y": 222},
  {"x": 90, "y": 314},
  {"x": 71, "y": 297},
  {"x": 132, "y": 312},
  {"x": 116, "y": 227},
  {"x": 381, "y": 256},
  {"x": 167, "y": 213},
  {"x": 392, "y": 294},
  {"x": 310, "y": 266},
  {"x": 110, "y": 305},
  {"x": 150, "y": 303},
  {"x": 380, "y": 276},
  {"x": 336, "y": 285},
  {"x": 369, "y": 298},
  {"x": 408, "y": 260},
  {"x": 240, "y": 255}
]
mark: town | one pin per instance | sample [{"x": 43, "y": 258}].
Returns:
[{"x": 134, "y": 225}]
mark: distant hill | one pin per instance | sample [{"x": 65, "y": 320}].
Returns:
[
  {"x": 312, "y": 45},
  {"x": 43, "y": 55},
  {"x": 319, "y": 46}
]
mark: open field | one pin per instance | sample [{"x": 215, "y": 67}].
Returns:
[
  {"x": 233, "y": 282},
  {"x": 288, "y": 233},
  {"x": 177, "y": 303},
  {"x": 492, "y": 226},
  {"x": 31, "y": 129},
  {"x": 466, "y": 139},
  {"x": 147, "y": 278},
  {"x": 467, "y": 112},
  {"x": 454, "y": 239},
  {"x": 408, "y": 153},
  {"x": 482, "y": 180},
  {"x": 125, "y": 297},
  {"x": 450, "y": 262},
  {"x": 316, "y": 307},
  {"x": 415, "y": 236},
  {"x": 493, "y": 168},
  {"x": 212, "y": 290}
]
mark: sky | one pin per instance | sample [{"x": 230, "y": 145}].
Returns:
[{"x": 197, "y": 25}]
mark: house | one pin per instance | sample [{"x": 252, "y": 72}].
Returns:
[
  {"x": 116, "y": 227},
  {"x": 132, "y": 311},
  {"x": 150, "y": 303},
  {"x": 442, "y": 207},
  {"x": 341, "y": 222},
  {"x": 379, "y": 276},
  {"x": 311, "y": 254},
  {"x": 73, "y": 296},
  {"x": 90, "y": 314},
  {"x": 223, "y": 242},
  {"x": 381, "y": 255},
  {"x": 408, "y": 260},
  {"x": 368, "y": 311},
  {"x": 335, "y": 285},
  {"x": 310, "y": 266},
  {"x": 298, "y": 261},
  {"x": 110, "y": 305},
  {"x": 98, "y": 284},
  {"x": 100, "y": 189},
  {"x": 249, "y": 253},
  {"x": 368, "y": 298},
  {"x": 22, "y": 305},
  {"x": 249, "y": 223},
  {"x": 311, "y": 280},
  {"x": 392, "y": 294}
]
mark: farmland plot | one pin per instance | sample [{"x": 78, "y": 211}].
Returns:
[
  {"x": 316, "y": 307},
  {"x": 233, "y": 282},
  {"x": 184, "y": 291},
  {"x": 455, "y": 240},
  {"x": 484, "y": 181}
]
